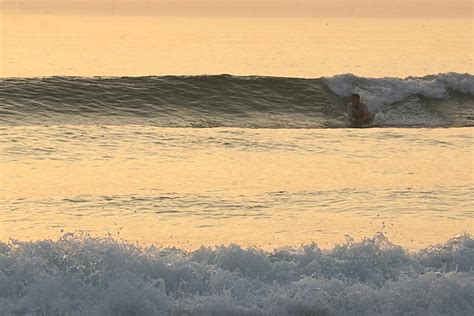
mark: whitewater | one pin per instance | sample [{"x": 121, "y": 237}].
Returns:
[{"x": 80, "y": 275}]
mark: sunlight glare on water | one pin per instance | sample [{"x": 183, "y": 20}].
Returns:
[
  {"x": 99, "y": 175},
  {"x": 45, "y": 45},
  {"x": 206, "y": 186}
]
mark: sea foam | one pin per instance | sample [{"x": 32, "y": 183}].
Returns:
[{"x": 81, "y": 275}]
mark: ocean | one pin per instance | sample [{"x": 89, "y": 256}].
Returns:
[
  {"x": 202, "y": 165},
  {"x": 199, "y": 195}
]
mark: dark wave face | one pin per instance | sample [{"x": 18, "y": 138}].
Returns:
[{"x": 228, "y": 101}]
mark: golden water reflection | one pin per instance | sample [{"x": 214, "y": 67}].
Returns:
[
  {"x": 270, "y": 188},
  {"x": 78, "y": 45}
]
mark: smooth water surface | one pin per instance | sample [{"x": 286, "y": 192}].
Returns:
[
  {"x": 265, "y": 187},
  {"x": 90, "y": 45}
]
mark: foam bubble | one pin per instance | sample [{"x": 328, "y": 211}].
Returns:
[{"x": 81, "y": 275}]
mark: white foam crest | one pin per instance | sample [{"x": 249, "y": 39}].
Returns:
[
  {"x": 463, "y": 83},
  {"x": 93, "y": 276},
  {"x": 380, "y": 92}
]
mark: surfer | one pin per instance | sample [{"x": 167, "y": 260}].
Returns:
[{"x": 358, "y": 113}]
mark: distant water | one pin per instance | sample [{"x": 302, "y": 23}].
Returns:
[
  {"x": 125, "y": 45},
  {"x": 228, "y": 101},
  {"x": 112, "y": 165}
]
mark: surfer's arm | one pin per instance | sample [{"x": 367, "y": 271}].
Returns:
[
  {"x": 364, "y": 109},
  {"x": 350, "y": 114},
  {"x": 365, "y": 112}
]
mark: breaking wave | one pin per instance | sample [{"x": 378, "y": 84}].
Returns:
[
  {"x": 81, "y": 275},
  {"x": 229, "y": 101}
]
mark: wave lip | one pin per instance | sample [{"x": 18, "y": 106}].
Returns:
[
  {"x": 229, "y": 101},
  {"x": 81, "y": 275},
  {"x": 435, "y": 100}
]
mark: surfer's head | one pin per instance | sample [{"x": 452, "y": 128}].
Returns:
[{"x": 355, "y": 98}]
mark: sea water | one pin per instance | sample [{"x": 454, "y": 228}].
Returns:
[
  {"x": 140, "y": 195},
  {"x": 135, "y": 179}
]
